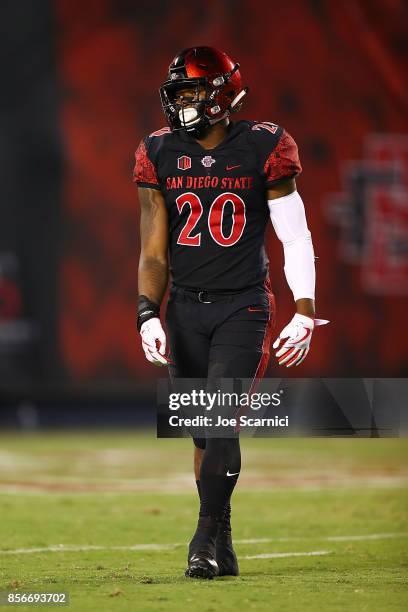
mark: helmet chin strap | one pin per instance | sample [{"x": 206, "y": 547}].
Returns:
[{"x": 214, "y": 121}]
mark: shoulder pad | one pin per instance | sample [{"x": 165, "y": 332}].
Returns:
[
  {"x": 265, "y": 135},
  {"x": 265, "y": 127},
  {"x": 283, "y": 161},
  {"x": 155, "y": 141},
  {"x": 277, "y": 151},
  {"x": 144, "y": 172}
]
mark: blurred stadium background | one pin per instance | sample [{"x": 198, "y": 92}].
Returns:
[{"x": 80, "y": 87}]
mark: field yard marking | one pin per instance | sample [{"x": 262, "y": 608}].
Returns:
[
  {"x": 86, "y": 548},
  {"x": 312, "y": 553},
  {"x": 162, "y": 547},
  {"x": 346, "y": 538},
  {"x": 178, "y": 484},
  {"x": 372, "y": 536}
]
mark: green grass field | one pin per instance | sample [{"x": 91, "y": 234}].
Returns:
[{"x": 107, "y": 516}]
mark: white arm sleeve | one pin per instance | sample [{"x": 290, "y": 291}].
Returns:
[{"x": 289, "y": 221}]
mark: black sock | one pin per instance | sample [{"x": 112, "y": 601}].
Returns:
[
  {"x": 226, "y": 518},
  {"x": 218, "y": 476},
  {"x": 216, "y": 495}
]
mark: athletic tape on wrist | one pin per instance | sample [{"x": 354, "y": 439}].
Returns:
[{"x": 146, "y": 310}]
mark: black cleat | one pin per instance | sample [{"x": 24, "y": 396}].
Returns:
[
  {"x": 224, "y": 552},
  {"x": 201, "y": 552},
  {"x": 201, "y": 565}
]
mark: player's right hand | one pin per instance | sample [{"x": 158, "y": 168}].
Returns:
[{"x": 154, "y": 341}]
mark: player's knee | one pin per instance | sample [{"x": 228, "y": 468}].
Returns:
[{"x": 222, "y": 454}]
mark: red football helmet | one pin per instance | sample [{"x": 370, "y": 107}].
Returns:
[{"x": 212, "y": 78}]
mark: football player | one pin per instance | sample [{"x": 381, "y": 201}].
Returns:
[{"x": 207, "y": 189}]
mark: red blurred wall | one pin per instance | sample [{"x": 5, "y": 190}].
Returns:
[{"x": 331, "y": 73}]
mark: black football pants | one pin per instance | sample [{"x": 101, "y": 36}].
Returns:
[{"x": 216, "y": 336}]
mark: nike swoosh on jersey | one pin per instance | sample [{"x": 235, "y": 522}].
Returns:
[
  {"x": 232, "y": 167},
  {"x": 235, "y": 474}
]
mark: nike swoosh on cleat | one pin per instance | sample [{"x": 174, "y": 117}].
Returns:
[
  {"x": 236, "y": 474},
  {"x": 250, "y": 309},
  {"x": 232, "y": 167}
]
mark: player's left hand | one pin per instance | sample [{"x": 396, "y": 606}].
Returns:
[{"x": 294, "y": 340}]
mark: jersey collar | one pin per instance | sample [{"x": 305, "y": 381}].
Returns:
[{"x": 233, "y": 130}]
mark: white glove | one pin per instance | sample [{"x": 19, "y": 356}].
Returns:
[
  {"x": 296, "y": 337},
  {"x": 154, "y": 341}
]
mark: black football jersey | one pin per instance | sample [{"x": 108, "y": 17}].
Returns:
[{"x": 216, "y": 200}]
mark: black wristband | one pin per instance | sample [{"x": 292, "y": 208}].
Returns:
[{"x": 146, "y": 309}]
